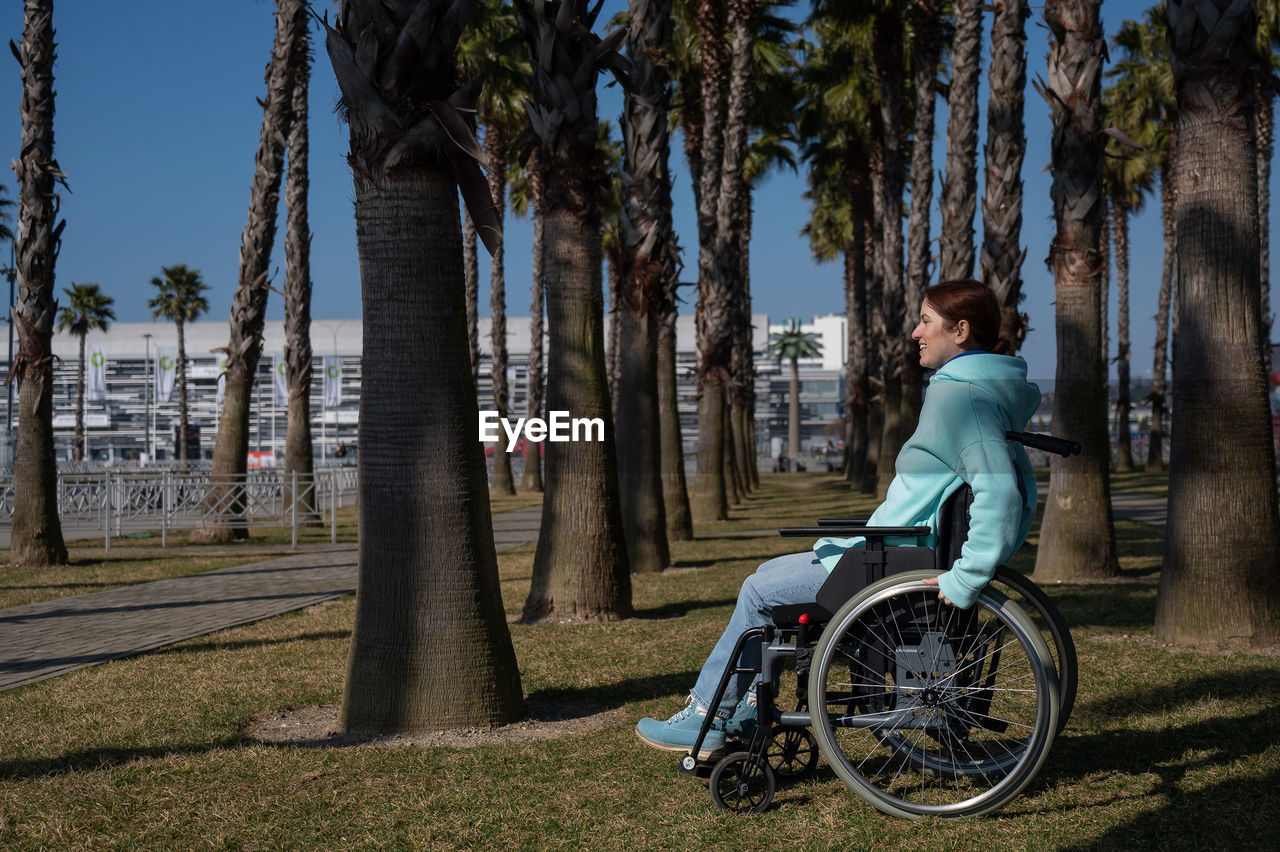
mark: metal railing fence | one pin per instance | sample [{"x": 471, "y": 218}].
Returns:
[{"x": 116, "y": 501}]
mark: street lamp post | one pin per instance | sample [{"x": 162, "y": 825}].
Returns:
[{"x": 147, "y": 372}]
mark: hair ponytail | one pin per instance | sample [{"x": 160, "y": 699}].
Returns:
[{"x": 975, "y": 303}]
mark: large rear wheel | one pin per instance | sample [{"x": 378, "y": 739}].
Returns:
[{"x": 925, "y": 709}]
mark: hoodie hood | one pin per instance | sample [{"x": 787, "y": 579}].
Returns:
[{"x": 1003, "y": 377}]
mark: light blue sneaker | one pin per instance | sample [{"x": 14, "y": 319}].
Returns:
[
  {"x": 741, "y": 724},
  {"x": 679, "y": 732}
]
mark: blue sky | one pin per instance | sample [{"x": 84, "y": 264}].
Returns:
[{"x": 157, "y": 125}]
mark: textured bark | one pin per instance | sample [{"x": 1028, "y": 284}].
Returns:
[
  {"x": 875, "y": 314},
  {"x": 580, "y": 568},
  {"x": 857, "y": 386},
  {"x": 1220, "y": 580},
  {"x": 471, "y": 289},
  {"x": 495, "y": 147},
  {"x": 1120, "y": 234},
  {"x": 184, "y": 421},
  {"x": 249, "y": 305},
  {"x": 649, "y": 262},
  {"x": 36, "y": 535},
  {"x": 532, "y": 478},
  {"x": 1001, "y": 257},
  {"x": 430, "y": 648},
  {"x": 714, "y": 311},
  {"x": 1264, "y": 100},
  {"x": 889, "y": 78},
  {"x": 675, "y": 492},
  {"x": 793, "y": 413},
  {"x": 1077, "y": 539},
  {"x": 1160, "y": 352},
  {"x": 960, "y": 182},
  {"x": 298, "y": 453}
]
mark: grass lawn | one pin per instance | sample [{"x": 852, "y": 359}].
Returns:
[{"x": 1166, "y": 749}]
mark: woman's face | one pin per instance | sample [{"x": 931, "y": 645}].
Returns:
[{"x": 937, "y": 345}]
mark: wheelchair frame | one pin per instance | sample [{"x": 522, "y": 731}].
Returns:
[{"x": 926, "y": 681}]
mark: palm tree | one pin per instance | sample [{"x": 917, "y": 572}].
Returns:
[
  {"x": 427, "y": 562},
  {"x": 1144, "y": 76},
  {"x": 1128, "y": 176},
  {"x": 715, "y": 307},
  {"x": 960, "y": 183},
  {"x": 249, "y": 305},
  {"x": 1077, "y": 539},
  {"x": 529, "y": 199},
  {"x": 298, "y": 451},
  {"x": 180, "y": 298},
  {"x": 1000, "y": 259},
  {"x": 792, "y": 344},
  {"x": 1264, "y": 90},
  {"x": 650, "y": 261},
  {"x": 87, "y": 309},
  {"x": 1220, "y": 579},
  {"x": 36, "y": 534},
  {"x": 580, "y": 569},
  {"x": 493, "y": 49}
]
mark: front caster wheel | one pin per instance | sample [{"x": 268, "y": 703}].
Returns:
[
  {"x": 793, "y": 754},
  {"x": 742, "y": 784}
]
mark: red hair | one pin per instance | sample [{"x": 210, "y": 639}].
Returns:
[{"x": 976, "y": 304}]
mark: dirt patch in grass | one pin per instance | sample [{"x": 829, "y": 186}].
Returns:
[{"x": 317, "y": 727}]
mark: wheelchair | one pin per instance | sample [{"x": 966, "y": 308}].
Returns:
[{"x": 922, "y": 709}]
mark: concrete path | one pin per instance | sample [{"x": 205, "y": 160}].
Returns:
[{"x": 50, "y": 638}]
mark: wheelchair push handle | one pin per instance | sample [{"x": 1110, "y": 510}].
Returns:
[{"x": 1048, "y": 443}]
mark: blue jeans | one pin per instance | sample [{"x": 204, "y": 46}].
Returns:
[{"x": 793, "y": 578}]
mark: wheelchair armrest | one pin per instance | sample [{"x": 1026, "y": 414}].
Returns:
[
  {"x": 842, "y": 522},
  {"x": 850, "y": 531}
]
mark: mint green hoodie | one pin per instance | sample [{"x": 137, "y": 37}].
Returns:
[{"x": 971, "y": 401}]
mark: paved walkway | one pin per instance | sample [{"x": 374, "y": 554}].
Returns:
[{"x": 54, "y": 637}]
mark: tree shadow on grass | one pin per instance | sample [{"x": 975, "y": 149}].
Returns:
[
  {"x": 679, "y": 609},
  {"x": 623, "y": 692},
  {"x": 251, "y": 643},
  {"x": 98, "y": 759}
]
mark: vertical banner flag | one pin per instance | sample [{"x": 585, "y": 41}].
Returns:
[
  {"x": 222, "y": 379},
  {"x": 166, "y": 371},
  {"x": 332, "y": 381},
  {"x": 97, "y": 378},
  {"x": 280, "y": 381}
]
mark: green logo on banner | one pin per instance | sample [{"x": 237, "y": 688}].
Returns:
[
  {"x": 166, "y": 363},
  {"x": 333, "y": 371},
  {"x": 281, "y": 369},
  {"x": 97, "y": 359}
]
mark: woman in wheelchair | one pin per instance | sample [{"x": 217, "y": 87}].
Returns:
[{"x": 976, "y": 394}]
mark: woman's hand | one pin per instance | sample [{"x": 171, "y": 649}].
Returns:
[{"x": 933, "y": 581}]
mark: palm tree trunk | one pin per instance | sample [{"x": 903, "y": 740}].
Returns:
[
  {"x": 1001, "y": 257},
  {"x": 427, "y": 563},
  {"x": 889, "y": 78},
  {"x": 1220, "y": 581},
  {"x": 875, "y": 318},
  {"x": 495, "y": 148},
  {"x": 1077, "y": 539},
  {"x": 298, "y": 453},
  {"x": 580, "y": 569},
  {"x": 1155, "y": 431},
  {"x": 532, "y": 478},
  {"x": 857, "y": 358},
  {"x": 960, "y": 183},
  {"x": 471, "y": 284},
  {"x": 714, "y": 315},
  {"x": 77, "y": 450},
  {"x": 675, "y": 492},
  {"x": 249, "y": 305},
  {"x": 793, "y": 414},
  {"x": 184, "y": 422},
  {"x": 648, "y": 263},
  {"x": 36, "y": 534},
  {"x": 1124, "y": 448},
  {"x": 1264, "y": 98}
]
